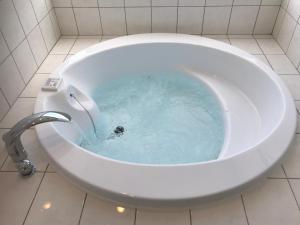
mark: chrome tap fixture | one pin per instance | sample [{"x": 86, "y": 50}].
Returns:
[{"x": 13, "y": 142}]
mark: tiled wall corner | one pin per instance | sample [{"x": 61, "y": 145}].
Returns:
[
  {"x": 28, "y": 31},
  {"x": 119, "y": 17},
  {"x": 287, "y": 30}
]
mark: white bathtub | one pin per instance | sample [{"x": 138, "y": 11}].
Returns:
[{"x": 259, "y": 114}]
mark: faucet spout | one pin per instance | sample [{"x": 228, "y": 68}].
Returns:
[{"x": 12, "y": 139}]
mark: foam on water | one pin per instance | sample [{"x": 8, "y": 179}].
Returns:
[{"x": 169, "y": 118}]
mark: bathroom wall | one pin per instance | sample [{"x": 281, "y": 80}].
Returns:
[
  {"x": 287, "y": 30},
  {"x": 120, "y": 17},
  {"x": 28, "y": 31}
]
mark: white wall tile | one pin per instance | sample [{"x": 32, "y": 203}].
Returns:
[
  {"x": 246, "y": 2},
  {"x": 55, "y": 23},
  {"x": 138, "y": 20},
  {"x": 243, "y": 19},
  {"x": 216, "y": 20},
  {"x": 164, "y": 2},
  {"x": 130, "y": 3},
  {"x": 219, "y": 2},
  {"x": 113, "y": 21},
  {"x": 294, "y": 49},
  {"x": 278, "y": 23},
  {"x": 111, "y": 3},
  {"x": 98, "y": 211},
  {"x": 26, "y": 14},
  {"x": 191, "y": 3},
  {"x": 66, "y": 21},
  {"x": 88, "y": 21},
  {"x": 10, "y": 25},
  {"x": 4, "y": 52},
  {"x": 286, "y": 32},
  {"x": 11, "y": 82},
  {"x": 62, "y": 3},
  {"x": 164, "y": 19},
  {"x": 48, "y": 32},
  {"x": 190, "y": 20},
  {"x": 4, "y": 107},
  {"x": 266, "y": 19},
  {"x": 49, "y": 4},
  {"x": 40, "y": 9},
  {"x": 84, "y": 3},
  {"x": 271, "y": 2},
  {"x": 37, "y": 44},
  {"x": 294, "y": 9},
  {"x": 25, "y": 60},
  {"x": 293, "y": 83}
]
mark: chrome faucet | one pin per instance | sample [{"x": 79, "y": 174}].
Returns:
[{"x": 13, "y": 142}]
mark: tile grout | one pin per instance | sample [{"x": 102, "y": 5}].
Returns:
[
  {"x": 34, "y": 197},
  {"x": 291, "y": 188},
  {"x": 83, "y": 205},
  {"x": 245, "y": 211}
]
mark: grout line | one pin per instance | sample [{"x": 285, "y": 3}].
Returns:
[
  {"x": 81, "y": 212},
  {"x": 177, "y": 16},
  {"x": 75, "y": 18},
  {"x": 125, "y": 15},
  {"x": 229, "y": 21},
  {"x": 135, "y": 214},
  {"x": 203, "y": 16},
  {"x": 4, "y": 161},
  {"x": 259, "y": 8},
  {"x": 34, "y": 197},
  {"x": 100, "y": 20},
  {"x": 289, "y": 183},
  {"x": 191, "y": 221},
  {"x": 244, "y": 207}
]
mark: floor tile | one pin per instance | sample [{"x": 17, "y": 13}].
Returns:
[
  {"x": 97, "y": 211},
  {"x": 240, "y": 36},
  {"x": 16, "y": 194},
  {"x": 57, "y": 202},
  {"x": 226, "y": 212},
  {"x": 291, "y": 163},
  {"x": 23, "y": 107},
  {"x": 263, "y": 59},
  {"x": 161, "y": 217},
  {"x": 281, "y": 64},
  {"x": 276, "y": 172},
  {"x": 35, "y": 152},
  {"x": 105, "y": 38},
  {"x": 248, "y": 45},
  {"x": 271, "y": 203},
  {"x": 63, "y": 46},
  {"x": 293, "y": 83},
  {"x": 51, "y": 63},
  {"x": 3, "y": 153},
  {"x": 269, "y": 46},
  {"x": 34, "y": 86},
  {"x": 263, "y": 36},
  {"x": 295, "y": 184},
  {"x": 51, "y": 168},
  {"x": 81, "y": 44}
]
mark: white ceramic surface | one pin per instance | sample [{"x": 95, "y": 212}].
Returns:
[{"x": 259, "y": 113}]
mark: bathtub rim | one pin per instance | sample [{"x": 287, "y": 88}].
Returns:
[{"x": 256, "y": 154}]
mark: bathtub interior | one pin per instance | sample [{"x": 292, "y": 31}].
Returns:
[{"x": 244, "y": 89}]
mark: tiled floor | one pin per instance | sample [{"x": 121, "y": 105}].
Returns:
[{"x": 47, "y": 198}]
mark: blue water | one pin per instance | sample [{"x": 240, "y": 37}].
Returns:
[{"x": 167, "y": 119}]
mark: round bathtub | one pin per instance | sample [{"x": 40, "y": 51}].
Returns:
[{"x": 258, "y": 111}]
